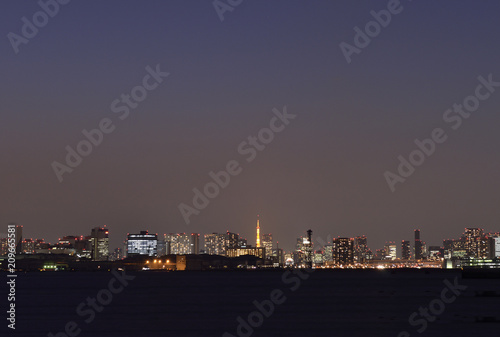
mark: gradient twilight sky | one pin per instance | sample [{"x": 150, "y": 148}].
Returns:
[{"x": 324, "y": 171}]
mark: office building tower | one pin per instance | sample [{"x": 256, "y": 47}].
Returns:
[
  {"x": 343, "y": 251},
  {"x": 182, "y": 244},
  {"x": 472, "y": 238},
  {"x": 447, "y": 248},
  {"x": 328, "y": 253},
  {"x": 483, "y": 248},
  {"x": 232, "y": 240},
  {"x": 142, "y": 244},
  {"x": 406, "y": 250},
  {"x": 278, "y": 256},
  {"x": 99, "y": 237},
  {"x": 419, "y": 247},
  {"x": 195, "y": 243},
  {"x": 215, "y": 244},
  {"x": 360, "y": 249},
  {"x": 267, "y": 243}
]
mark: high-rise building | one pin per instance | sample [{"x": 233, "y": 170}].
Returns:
[
  {"x": 195, "y": 243},
  {"x": 419, "y": 247},
  {"x": 360, "y": 249},
  {"x": 278, "y": 256},
  {"x": 472, "y": 238},
  {"x": 99, "y": 237},
  {"x": 390, "y": 251},
  {"x": 215, "y": 244},
  {"x": 232, "y": 240},
  {"x": 328, "y": 253},
  {"x": 267, "y": 243},
  {"x": 406, "y": 250},
  {"x": 257, "y": 241},
  {"x": 343, "y": 251},
  {"x": 142, "y": 244},
  {"x": 483, "y": 248},
  {"x": 182, "y": 244},
  {"x": 447, "y": 248},
  {"x": 302, "y": 251}
]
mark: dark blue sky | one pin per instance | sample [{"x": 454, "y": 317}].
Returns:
[{"x": 324, "y": 171}]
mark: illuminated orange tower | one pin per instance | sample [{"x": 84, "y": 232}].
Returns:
[{"x": 257, "y": 242}]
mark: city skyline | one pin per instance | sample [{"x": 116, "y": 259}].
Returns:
[
  {"x": 324, "y": 170},
  {"x": 250, "y": 167},
  {"x": 99, "y": 249}
]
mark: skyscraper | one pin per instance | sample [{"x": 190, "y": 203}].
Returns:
[
  {"x": 473, "y": 238},
  {"x": 419, "y": 249},
  {"x": 100, "y": 243},
  {"x": 195, "y": 243},
  {"x": 360, "y": 249},
  {"x": 343, "y": 251},
  {"x": 215, "y": 244},
  {"x": 459, "y": 248},
  {"x": 406, "y": 250},
  {"x": 267, "y": 242},
  {"x": 257, "y": 241},
  {"x": 182, "y": 244},
  {"x": 232, "y": 240}
]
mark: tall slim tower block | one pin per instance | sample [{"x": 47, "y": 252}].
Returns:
[{"x": 419, "y": 252}]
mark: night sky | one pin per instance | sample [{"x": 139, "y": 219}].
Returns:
[{"x": 324, "y": 171}]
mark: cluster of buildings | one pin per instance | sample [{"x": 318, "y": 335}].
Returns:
[
  {"x": 227, "y": 244},
  {"x": 94, "y": 246},
  {"x": 474, "y": 248}
]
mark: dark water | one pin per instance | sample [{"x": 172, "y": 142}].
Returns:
[{"x": 349, "y": 303}]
